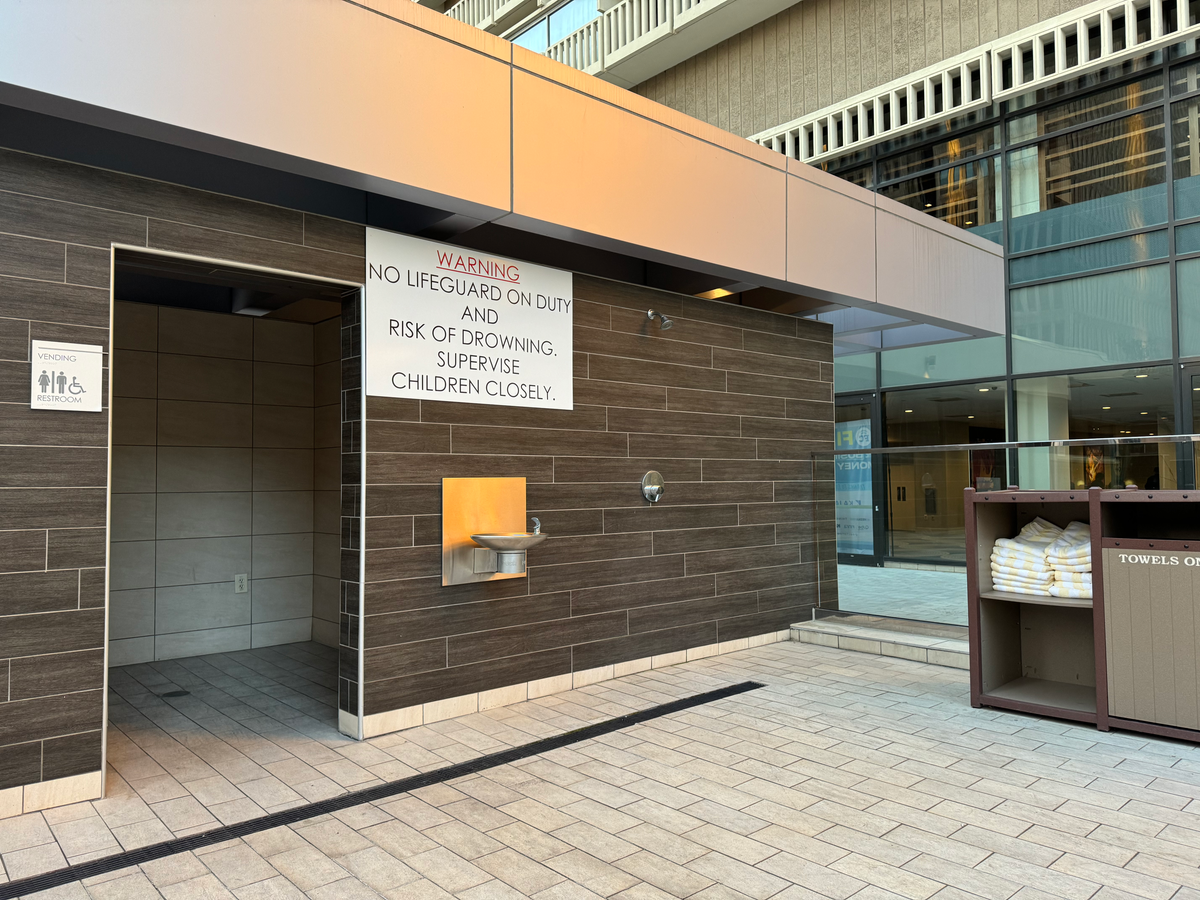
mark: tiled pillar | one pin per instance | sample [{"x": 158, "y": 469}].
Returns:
[{"x": 350, "y": 655}]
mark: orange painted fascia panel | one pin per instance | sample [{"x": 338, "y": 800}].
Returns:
[
  {"x": 572, "y": 156},
  {"x": 443, "y": 26},
  {"x": 643, "y": 106}
]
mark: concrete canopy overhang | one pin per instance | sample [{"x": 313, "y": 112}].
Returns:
[{"x": 391, "y": 97}]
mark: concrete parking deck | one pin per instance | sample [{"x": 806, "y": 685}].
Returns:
[{"x": 847, "y": 775}]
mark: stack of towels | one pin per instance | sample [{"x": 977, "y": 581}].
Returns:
[
  {"x": 1070, "y": 556},
  {"x": 1045, "y": 560}
]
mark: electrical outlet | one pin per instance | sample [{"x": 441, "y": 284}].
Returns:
[{"x": 241, "y": 584}]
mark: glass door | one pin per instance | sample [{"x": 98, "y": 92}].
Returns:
[{"x": 1189, "y": 423}]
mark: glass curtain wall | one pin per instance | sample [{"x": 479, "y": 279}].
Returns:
[{"x": 1093, "y": 187}]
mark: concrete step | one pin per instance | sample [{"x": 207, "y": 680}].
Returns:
[{"x": 939, "y": 645}]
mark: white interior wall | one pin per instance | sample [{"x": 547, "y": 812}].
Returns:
[{"x": 216, "y": 467}]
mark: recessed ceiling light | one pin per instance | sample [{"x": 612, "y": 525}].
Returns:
[
  {"x": 984, "y": 390},
  {"x": 1141, "y": 376},
  {"x": 1106, "y": 407},
  {"x": 908, "y": 410},
  {"x": 970, "y": 417},
  {"x": 969, "y": 222},
  {"x": 1145, "y": 414},
  {"x": 928, "y": 205}
]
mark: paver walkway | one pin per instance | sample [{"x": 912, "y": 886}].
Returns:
[{"x": 848, "y": 775}]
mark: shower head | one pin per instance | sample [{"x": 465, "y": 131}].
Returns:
[{"x": 663, "y": 322}]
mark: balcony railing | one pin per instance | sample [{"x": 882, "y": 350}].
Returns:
[
  {"x": 583, "y": 49},
  {"x": 612, "y": 45},
  {"x": 1090, "y": 37}
]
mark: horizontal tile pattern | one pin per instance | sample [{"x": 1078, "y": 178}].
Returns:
[
  {"x": 58, "y": 222},
  {"x": 205, "y": 491},
  {"x": 729, "y": 552}
]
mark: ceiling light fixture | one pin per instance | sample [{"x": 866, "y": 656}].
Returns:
[{"x": 1141, "y": 376}]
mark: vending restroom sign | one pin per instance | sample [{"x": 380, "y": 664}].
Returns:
[
  {"x": 444, "y": 323},
  {"x": 66, "y": 376}
]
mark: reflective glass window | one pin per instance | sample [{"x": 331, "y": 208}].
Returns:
[
  {"x": 930, "y": 156},
  {"x": 534, "y": 38},
  {"x": 1185, "y": 151},
  {"x": 1101, "y": 255},
  {"x": 570, "y": 18},
  {"x": 1088, "y": 108},
  {"x": 967, "y": 196},
  {"x": 1087, "y": 183},
  {"x": 855, "y": 372},
  {"x": 924, "y": 511},
  {"x": 1121, "y": 403},
  {"x": 1185, "y": 79},
  {"x": 951, "y": 361},
  {"x": 1187, "y": 288},
  {"x": 863, "y": 176},
  {"x": 1118, "y": 317},
  {"x": 1081, "y": 84},
  {"x": 946, "y": 414},
  {"x": 1187, "y": 239}
]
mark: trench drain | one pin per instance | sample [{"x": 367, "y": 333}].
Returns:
[{"x": 141, "y": 855}]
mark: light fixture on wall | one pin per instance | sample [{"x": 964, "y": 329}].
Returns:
[{"x": 663, "y": 322}]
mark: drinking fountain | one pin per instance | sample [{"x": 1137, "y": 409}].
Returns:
[
  {"x": 481, "y": 536},
  {"x": 510, "y": 547}
]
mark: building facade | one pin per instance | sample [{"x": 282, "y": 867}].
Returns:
[
  {"x": 206, "y": 452},
  {"x": 1064, "y": 132}
]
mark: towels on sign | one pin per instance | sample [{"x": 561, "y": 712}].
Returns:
[{"x": 1045, "y": 560}]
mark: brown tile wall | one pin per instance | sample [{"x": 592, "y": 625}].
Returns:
[
  {"x": 57, "y": 224},
  {"x": 728, "y": 405}
]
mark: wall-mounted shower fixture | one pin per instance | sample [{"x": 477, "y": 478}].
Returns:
[
  {"x": 653, "y": 486},
  {"x": 663, "y": 322},
  {"x": 481, "y": 536}
]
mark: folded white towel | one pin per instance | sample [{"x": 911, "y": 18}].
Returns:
[
  {"x": 1012, "y": 588},
  {"x": 1017, "y": 555},
  {"x": 1024, "y": 571},
  {"x": 1074, "y": 591},
  {"x": 1075, "y": 578},
  {"x": 1026, "y": 586},
  {"x": 1068, "y": 562}
]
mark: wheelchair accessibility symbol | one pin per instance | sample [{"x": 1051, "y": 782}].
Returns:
[{"x": 56, "y": 383}]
